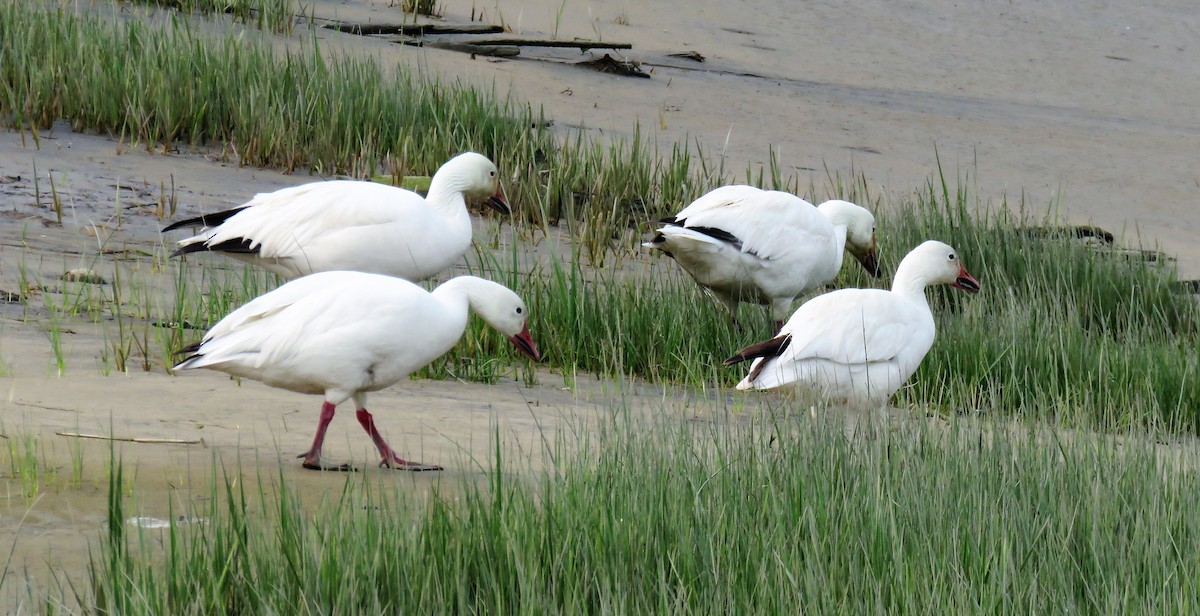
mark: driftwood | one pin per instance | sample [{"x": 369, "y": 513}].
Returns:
[
  {"x": 694, "y": 56},
  {"x": 1097, "y": 238},
  {"x": 609, "y": 64},
  {"x": 413, "y": 29},
  {"x": 475, "y": 40},
  {"x": 475, "y": 49},
  {"x": 528, "y": 42},
  {"x": 167, "y": 441},
  {"x": 1082, "y": 232}
]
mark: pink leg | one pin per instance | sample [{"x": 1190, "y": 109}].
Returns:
[
  {"x": 390, "y": 459},
  {"x": 312, "y": 458}
]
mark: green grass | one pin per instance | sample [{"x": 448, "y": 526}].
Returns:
[
  {"x": 275, "y": 15},
  {"x": 673, "y": 517},
  {"x": 1061, "y": 330},
  {"x": 164, "y": 86}
]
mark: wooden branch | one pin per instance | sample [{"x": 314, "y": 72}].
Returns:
[
  {"x": 502, "y": 51},
  {"x": 525, "y": 42},
  {"x": 413, "y": 29},
  {"x": 167, "y": 441}
]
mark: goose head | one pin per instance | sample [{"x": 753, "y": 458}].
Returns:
[
  {"x": 504, "y": 310},
  {"x": 479, "y": 179},
  {"x": 860, "y": 231},
  {"x": 941, "y": 265}
]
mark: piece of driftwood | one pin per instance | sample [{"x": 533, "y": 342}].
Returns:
[
  {"x": 475, "y": 49},
  {"x": 528, "y": 42},
  {"x": 1098, "y": 238},
  {"x": 475, "y": 40},
  {"x": 1082, "y": 232},
  {"x": 609, "y": 64},
  {"x": 694, "y": 56},
  {"x": 414, "y": 29},
  {"x": 166, "y": 441}
]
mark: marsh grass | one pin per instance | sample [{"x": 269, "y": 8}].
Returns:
[
  {"x": 26, "y": 464},
  {"x": 278, "y": 16},
  {"x": 421, "y": 7},
  {"x": 164, "y": 86},
  {"x": 672, "y": 516},
  {"x": 1062, "y": 329}
]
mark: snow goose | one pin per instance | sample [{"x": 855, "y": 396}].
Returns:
[
  {"x": 745, "y": 244},
  {"x": 350, "y": 225},
  {"x": 344, "y": 334},
  {"x": 858, "y": 345}
]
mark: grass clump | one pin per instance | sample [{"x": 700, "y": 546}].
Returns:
[
  {"x": 1061, "y": 330},
  {"x": 277, "y": 16},
  {"x": 163, "y": 85},
  {"x": 421, "y": 7},
  {"x": 685, "y": 518}
]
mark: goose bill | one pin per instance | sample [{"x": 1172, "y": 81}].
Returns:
[
  {"x": 966, "y": 282},
  {"x": 524, "y": 341},
  {"x": 498, "y": 203},
  {"x": 869, "y": 262}
]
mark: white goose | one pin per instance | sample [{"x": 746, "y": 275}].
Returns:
[
  {"x": 349, "y": 225},
  {"x": 858, "y": 345},
  {"x": 344, "y": 334},
  {"x": 745, "y": 244}
]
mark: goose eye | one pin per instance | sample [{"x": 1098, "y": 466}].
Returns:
[
  {"x": 951, "y": 256},
  {"x": 519, "y": 311},
  {"x": 491, "y": 173}
]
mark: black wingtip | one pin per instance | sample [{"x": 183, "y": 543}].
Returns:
[
  {"x": 207, "y": 220},
  {"x": 189, "y": 249},
  {"x": 191, "y": 222},
  {"x": 239, "y": 245},
  {"x": 767, "y": 348},
  {"x": 719, "y": 234},
  {"x": 189, "y": 349}
]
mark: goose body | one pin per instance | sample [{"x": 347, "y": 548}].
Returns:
[
  {"x": 858, "y": 345},
  {"x": 766, "y": 247},
  {"x": 351, "y": 225},
  {"x": 345, "y": 334}
]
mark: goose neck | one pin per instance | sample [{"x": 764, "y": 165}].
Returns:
[{"x": 446, "y": 193}]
